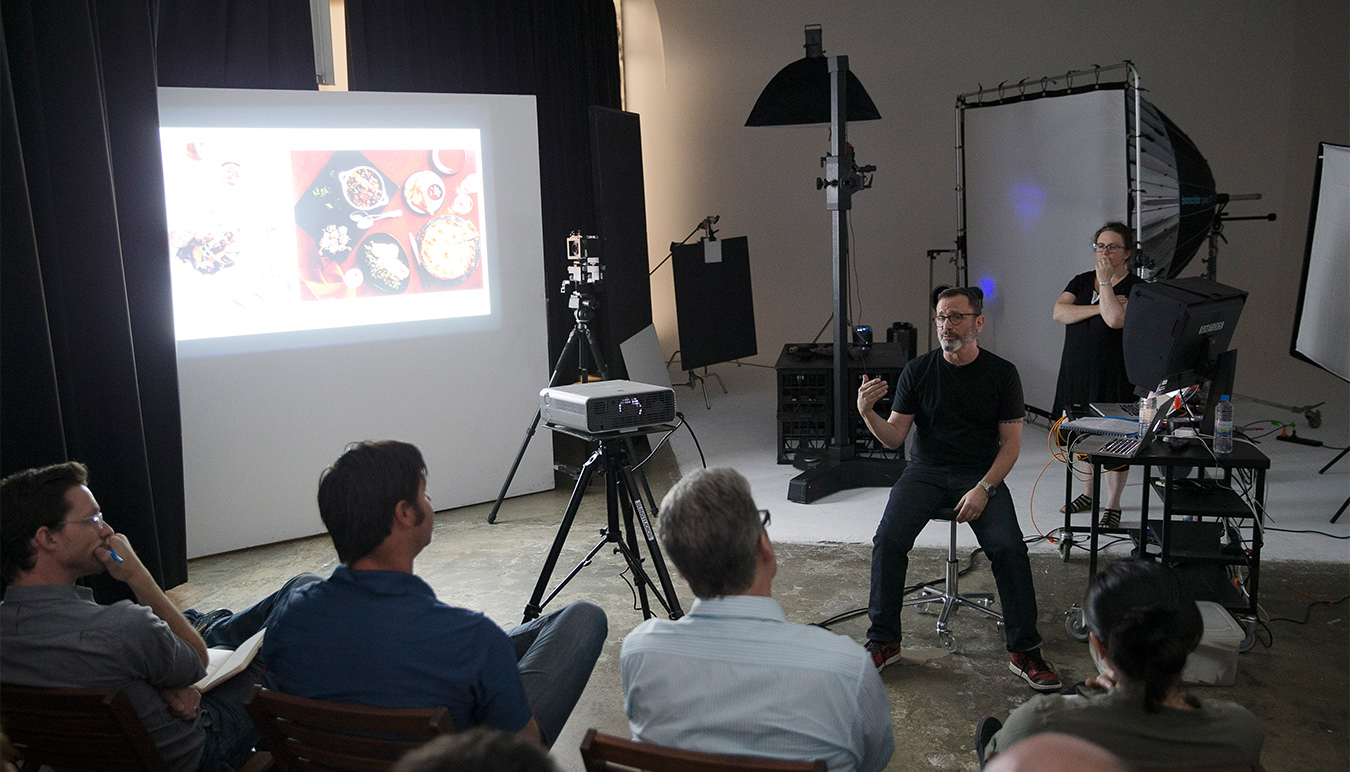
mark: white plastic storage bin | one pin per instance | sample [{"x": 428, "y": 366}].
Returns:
[{"x": 1214, "y": 661}]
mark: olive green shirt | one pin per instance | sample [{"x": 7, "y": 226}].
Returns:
[{"x": 1217, "y": 733}]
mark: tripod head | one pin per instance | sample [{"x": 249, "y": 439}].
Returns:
[{"x": 584, "y": 275}]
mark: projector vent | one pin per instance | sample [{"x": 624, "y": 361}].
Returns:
[{"x": 628, "y": 412}]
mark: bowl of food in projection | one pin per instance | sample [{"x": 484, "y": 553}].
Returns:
[{"x": 448, "y": 248}]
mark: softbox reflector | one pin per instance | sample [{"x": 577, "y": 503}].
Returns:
[
  {"x": 1322, "y": 320},
  {"x": 1177, "y": 195}
]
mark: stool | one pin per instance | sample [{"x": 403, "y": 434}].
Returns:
[{"x": 950, "y": 596}]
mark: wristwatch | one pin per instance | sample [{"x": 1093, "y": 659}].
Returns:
[{"x": 988, "y": 489}]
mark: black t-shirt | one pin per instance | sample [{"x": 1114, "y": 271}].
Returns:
[{"x": 957, "y": 410}]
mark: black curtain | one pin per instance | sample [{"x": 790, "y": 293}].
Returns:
[
  {"x": 87, "y": 355},
  {"x": 88, "y": 368},
  {"x": 236, "y": 44},
  {"x": 564, "y": 52}
]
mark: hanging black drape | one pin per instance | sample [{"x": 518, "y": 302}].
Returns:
[
  {"x": 564, "y": 52},
  {"x": 86, "y": 347},
  {"x": 236, "y": 44}
]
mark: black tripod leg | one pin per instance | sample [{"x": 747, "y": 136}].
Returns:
[
  {"x": 534, "y": 608},
  {"x": 630, "y": 548},
  {"x": 1333, "y": 461},
  {"x": 529, "y": 433},
  {"x": 672, "y": 603}
]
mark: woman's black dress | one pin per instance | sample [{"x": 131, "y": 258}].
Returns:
[{"x": 1092, "y": 367}]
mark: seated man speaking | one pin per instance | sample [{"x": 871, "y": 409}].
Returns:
[
  {"x": 374, "y": 633},
  {"x": 966, "y": 406},
  {"x": 733, "y": 675},
  {"x": 53, "y": 634}
]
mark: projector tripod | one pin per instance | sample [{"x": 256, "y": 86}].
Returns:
[
  {"x": 620, "y": 492},
  {"x": 584, "y": 274}
]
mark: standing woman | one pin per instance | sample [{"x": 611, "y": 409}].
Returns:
[{"x": 1092, "y": 367}]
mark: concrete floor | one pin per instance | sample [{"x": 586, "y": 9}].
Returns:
[{"x": 1297, "y": 686}]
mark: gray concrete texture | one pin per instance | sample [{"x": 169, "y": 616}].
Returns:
[{"x": 1297, "y": 686}]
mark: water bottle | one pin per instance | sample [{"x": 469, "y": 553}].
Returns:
[
  {"x": 1223, "y": 426},
  {"x": 1145, "y": 414}
]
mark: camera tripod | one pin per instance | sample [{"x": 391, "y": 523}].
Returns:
[
  {"x": 584, "y": 275},
  {"x": 620, "y": 492}
]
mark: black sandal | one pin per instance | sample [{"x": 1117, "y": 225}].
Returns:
[
  {"x": 1110, "y": 518},
  {"x": 1081, "y": 504}
]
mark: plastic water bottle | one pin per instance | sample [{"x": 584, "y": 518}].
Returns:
[
  {"x": 1145, "y": 414},
  {"x": 1223, "y": 426}
]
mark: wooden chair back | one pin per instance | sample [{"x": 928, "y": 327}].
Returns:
[
  {"x": 77, "y": 729},
  {"x": 607, "y": 753},
  {"x": 304, "y": 734}
]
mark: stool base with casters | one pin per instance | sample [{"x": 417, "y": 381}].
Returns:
[{"x": 950, "y": 596}]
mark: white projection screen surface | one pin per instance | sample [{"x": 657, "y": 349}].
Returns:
[
  {"x": 350, "y": 266},
  {"x": 1041, "y": 175},
  {"x": 1322, "y": 325}
]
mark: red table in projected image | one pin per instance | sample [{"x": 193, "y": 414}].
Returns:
[{"x": 327, "y": 274}]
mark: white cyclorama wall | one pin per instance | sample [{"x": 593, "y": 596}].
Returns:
[
  {"x": 1031, "y": 208},
  {"x": 264, "y": 414}
]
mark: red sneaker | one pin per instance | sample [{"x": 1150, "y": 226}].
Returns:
[
  {"x": 1034, "y": 670},
  {"x": 883, "y": 653}
]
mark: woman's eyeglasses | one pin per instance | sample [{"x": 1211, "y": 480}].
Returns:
[{"x": 1109, "y": 249}]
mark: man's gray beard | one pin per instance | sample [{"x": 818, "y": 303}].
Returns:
[{"x": 953, "y": 346}]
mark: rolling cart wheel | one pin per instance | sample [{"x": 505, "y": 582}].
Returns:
[
  {"x": 921, "y": 608},
  {"x": 947, "y": 640},
  {"x": 1249, "y": 641},
  {"x": 1065, "y": 547},
  {"x": 1075, "y": 625}
]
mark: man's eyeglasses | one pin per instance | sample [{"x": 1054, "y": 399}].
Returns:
[
  {"x": 1109, "y": 249},
  {"x": 764, "y": 517},
  {"x": 95, "y": 521},
  {"x": 942, "y": 319}
]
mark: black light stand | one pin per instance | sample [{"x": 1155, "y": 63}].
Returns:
[
  {"x": 1216, "y": 228},
  {"x": 618, "y": 480},
  {"x": 584, "y": 275},
  {"x": 841, "y": 469}
]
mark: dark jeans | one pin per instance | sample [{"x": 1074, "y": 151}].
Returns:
[
  {"x": 919, "y": 494},
  {"x": 230, "y": 733},
  {"x": 556, "y": 654}
]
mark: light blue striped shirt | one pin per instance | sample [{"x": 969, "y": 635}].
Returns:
[{"x": 734, "y": 676}]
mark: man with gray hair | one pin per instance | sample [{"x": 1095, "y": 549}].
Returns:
[{"x": 733, "y": 675}]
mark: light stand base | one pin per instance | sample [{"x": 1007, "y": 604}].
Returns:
[{"x": 833, "y": 475}]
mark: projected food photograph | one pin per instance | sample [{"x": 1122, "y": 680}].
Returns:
[
  {"x": 278, "y": 230},
  {"x": 385, "y": 222}
]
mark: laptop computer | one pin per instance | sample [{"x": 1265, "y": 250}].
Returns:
[{"x": 1119, "y": 447}]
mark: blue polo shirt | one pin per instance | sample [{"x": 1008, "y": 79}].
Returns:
[{"x": 381, "y": 638}]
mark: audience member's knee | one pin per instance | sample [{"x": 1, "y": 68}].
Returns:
[{"x": 588, "y": 617}]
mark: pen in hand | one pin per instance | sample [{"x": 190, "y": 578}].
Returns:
[{"x": 114, "y": 555}]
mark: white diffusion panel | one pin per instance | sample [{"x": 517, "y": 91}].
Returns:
[
  {"x": 304, "y": 324},
  {"x": 1322, "y": 331},
  {"x": 1041, "y": 176}
]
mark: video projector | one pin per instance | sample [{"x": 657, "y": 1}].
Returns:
[{"x": 607, "y": 406}]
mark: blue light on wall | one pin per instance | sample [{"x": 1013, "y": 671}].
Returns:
[
  {"x": 986, "y": 285},
  {"x": 1028, "y": 202}
]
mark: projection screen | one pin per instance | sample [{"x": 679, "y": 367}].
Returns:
[
  {"x": 350, "y": 266},
  {"x": 1040, "y": 176}
]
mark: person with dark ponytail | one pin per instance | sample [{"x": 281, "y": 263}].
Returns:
[{"x": 1143, "y": 624}]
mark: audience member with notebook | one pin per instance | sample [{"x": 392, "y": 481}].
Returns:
[{"x": 55, "y": 635}]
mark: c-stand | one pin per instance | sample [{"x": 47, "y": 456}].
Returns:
[
  {"x": 618, "y": 472},
  {"x": 584, "y": 275}
]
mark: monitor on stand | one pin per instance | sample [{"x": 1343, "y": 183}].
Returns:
[{"x": 1176, "y": 330}]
